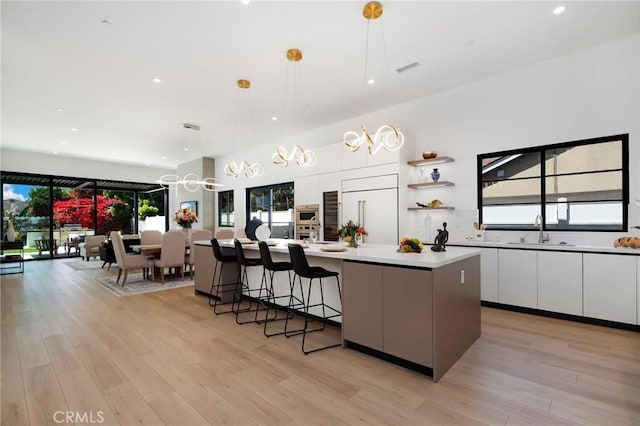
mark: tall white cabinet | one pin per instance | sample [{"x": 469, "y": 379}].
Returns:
[{"x": 373, "y": 203}]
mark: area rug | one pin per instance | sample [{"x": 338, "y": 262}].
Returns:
[
  {"x": 137, "y": 284},
  {"x": 83, "y": 265}
]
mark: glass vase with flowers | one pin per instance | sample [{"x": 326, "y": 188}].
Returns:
[{"x": 348, "y": 232}]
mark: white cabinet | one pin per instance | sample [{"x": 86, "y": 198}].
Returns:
[
  {"x": 518, "y": 278},
  {"x": 373, "y": 203},
  {"x": 560, "y": 282},
  {"x": 489, "y": 275},
  {"x": 610, "y": 287},
  {"x": 361, "y": 158}
]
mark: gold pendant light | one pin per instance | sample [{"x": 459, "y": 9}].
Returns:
[
  {"x": 387, "y": 136},
  {"x": 243, "y": 167},
  {"x": 302, "y": 157}
]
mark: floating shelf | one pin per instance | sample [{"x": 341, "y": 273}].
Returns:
[
  {"x": 430, "y": 208},
  {"x": 430, "y": 184},
  {"x": 437, "y": 160}
]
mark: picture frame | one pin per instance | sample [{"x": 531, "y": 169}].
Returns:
[{"x": 191, "y": 205}]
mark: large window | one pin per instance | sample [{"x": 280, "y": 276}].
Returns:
[
  {"x": 52, "y": 214},
  {"x": 581, "y": 185},
  {"x": 273, "y": 205},
  {"x": 225, "y": 208}
]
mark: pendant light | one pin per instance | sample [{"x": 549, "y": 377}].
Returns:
[
  {"x": 243, "y": 109},
  {"x": 303, "y": 157},
  {"x": 387, "y": 136},
  {"x": 190, "y": 181}
]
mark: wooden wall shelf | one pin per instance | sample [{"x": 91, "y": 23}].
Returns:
[
  {"x": 437, "y": 160},
  {"x": 430, "y": 184},
  {"x": 430, "y": 208}
]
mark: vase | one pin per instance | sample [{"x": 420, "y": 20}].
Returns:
[
  {"x": 11, "y": 233},
  {"x": 187, "y": 231},
  {"x": 435, "y": 175}
]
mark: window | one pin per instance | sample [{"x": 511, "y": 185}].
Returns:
[
  {"x": 581, "y": 186},
  {"x": 225, "y": 208},
  {"x": 273, "y": 205}
]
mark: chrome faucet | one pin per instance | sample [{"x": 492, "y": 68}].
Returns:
[{"x": 541, "y": 237}]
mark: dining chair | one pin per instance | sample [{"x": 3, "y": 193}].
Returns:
[
  {"x": 126, "y": 261},
  {"x": 150, "y": 236},
  {"x": 171, "y": 254},
  {"x": 225, "y": 234},
  {"x": 196, "y": 235}
]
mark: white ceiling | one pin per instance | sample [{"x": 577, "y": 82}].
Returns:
[{"x": 60, "y": 55}]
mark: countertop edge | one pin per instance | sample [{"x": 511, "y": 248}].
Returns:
[{"x": 551, "y": 247}]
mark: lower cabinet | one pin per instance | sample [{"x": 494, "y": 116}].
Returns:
[
  {"x": 518, "y": 278},
  {"x": 489, "y": 274},
  {"x": 610, "y": 287},
  {"x": 401, "y": 297},
  {"x": 362, "y": 300},
  {"x": 560, "y": 282},
  {"x": 407, "y": 311}
]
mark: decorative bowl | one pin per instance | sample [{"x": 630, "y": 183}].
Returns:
[{"x": 429, "y": 154}]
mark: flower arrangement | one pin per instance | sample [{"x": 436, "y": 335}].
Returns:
[
  {"x": 185, "y": 218},
  {"x": 349, "y": 230},
  {"x": 410, "y": 245}
]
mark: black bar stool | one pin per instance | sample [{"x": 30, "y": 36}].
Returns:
[
  {"x": 303, "y": 270},
  {"x": 221, "y": 288},
  {"x": 245, "y": 262},
  {"x": 270, "y": 268}
]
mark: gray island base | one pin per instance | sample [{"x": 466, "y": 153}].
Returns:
[{"x": 419, "y": 310}]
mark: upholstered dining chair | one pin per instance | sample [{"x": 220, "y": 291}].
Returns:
[
  {"x": 150, "y": 236},
  {"x": 225, "y": 234},
  {"x": 196, "y": 235},
  {"x": 126, "y": 261},
  {"x": 172, "y": 253}
]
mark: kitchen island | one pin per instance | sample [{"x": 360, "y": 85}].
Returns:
[{"x": 420, "y": 310}]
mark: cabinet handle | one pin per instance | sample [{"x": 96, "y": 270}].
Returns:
[{"x": 363, "y": 205}]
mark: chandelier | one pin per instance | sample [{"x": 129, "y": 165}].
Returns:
[
  {"x": 190, "y": 181},
  {"x": 243, "y": 167},
  {"x": 303, "y": 157},
  {"x": 387, "y": 136}
]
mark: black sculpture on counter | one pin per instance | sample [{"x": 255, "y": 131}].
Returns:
[{"x": 441, "y": 239}]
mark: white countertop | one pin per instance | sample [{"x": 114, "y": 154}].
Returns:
[
  {"x": 372, "y": 253},
  {"x": 549, "y": 247}
]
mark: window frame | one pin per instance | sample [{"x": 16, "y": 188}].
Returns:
[
  {"x": 270, "y": 189},
  {"x": 221, "y": 194},
  {"x": 541, "y": 150}
]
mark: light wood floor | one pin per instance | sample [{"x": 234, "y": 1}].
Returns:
[{"x": 164, "y": 358}]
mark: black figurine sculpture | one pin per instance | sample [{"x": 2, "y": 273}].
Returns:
[{"x": 439, "y": 244}]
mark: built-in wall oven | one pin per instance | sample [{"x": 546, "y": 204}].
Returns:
[{"x": 307, "y": 218}]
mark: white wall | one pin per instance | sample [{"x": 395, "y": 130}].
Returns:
[
  {"x": 590, "y": 93},
  {"x": 586, "y": 94}
]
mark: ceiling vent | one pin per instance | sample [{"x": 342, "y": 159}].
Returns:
[
  {"x": 407, "y": 67},
  {"x": 191, "y": 126}
]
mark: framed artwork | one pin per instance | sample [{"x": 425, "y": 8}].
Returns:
[{"x": 191, "y": 205}]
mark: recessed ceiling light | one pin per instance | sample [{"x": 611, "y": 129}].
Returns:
[
  {"x": 157, "y": 80},
  {"x": 245, "y": 1},
  {"x": 558, "y": 10},
  {"x": 274, "y": 118},
  {"x": 164, "y": 157},
  {"x": 186, "y": 148},
  {"x": 371, "y": 81},
  {"x": 63, "y": 143},
  {"x": 59, "y": 109},
  {"x": 146, "y": 164},
  {"x": 73, "y": 129},
  {"x": 55, "y": 152}
]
